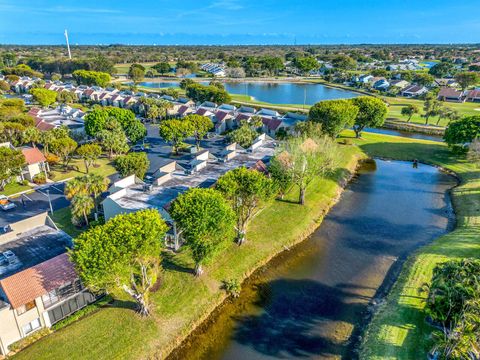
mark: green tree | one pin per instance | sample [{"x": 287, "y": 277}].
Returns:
[
  {"x": 306, "y": 64},
  {"x": 201, "y": 125},
  {"x": 32, "y": 135},
  {"x": 175, "y": 131},
  {"x": 344, "y": 62},
  {"x": 64, "y": 148},
  {"x": 206, "y": 222},
  {"x": 92, "y": 185},
  {"x": 334, "y": 115},
  {"x": 89, "y": 154},
  {"x": 44, "y": 97},
  {"x": 133, "y": 163},
  {"x": 101, "y": 117},
  {"x": 88, "y": 77},
  {"x": 245, "y": 190},
  {"x": 122, "y": 256},
  {"x": 423, "y": 79},
  {"x": 243, "y": 136},
  {"x": 410, "y": 110},
  {"x": 4, "y": 86},
  {"x": 113, "y": 140},
  {"x": 462, "y": 131},
  {"x": 11, "y": 164},
  {"x": 162, "y": 67},
  {"x": 136, "y": 131},
  {"x": 186, "y": 83},
  {"x": 81, "y": 206},
  {"x": 280, "y": 177},
  {"x": 431, "y": 107},
  {"x": 12, "y": 132},
  {"x": 442, "y": 69},
  {"x": 371, "y": 113},
  {"x": 66, "y": 97},
  {"x": 136, "y": 73},
  {"x": 303, "y": 159},
  {"x": 467, "y": 79}
]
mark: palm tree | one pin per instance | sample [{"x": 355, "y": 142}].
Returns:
[
  {"x": 75, "y": 187},
  {"x": 82, "y": 205},
  {"x": 96, "y": 185}
]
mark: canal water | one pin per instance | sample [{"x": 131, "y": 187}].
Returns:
[
  {"x": 311, "y": 301},
  {"x": 275, "y": 92}
]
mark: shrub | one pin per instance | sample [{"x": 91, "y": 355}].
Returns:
[
  {"x": 21, "y": 344},
  {"x": 232, "y": 287},
  {"x": 346, "y": 142},
  {"x": 52, "y": 159},
  {"x": 40, "y": 178}
]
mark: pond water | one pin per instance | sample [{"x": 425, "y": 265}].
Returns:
[
  {"x": 311, "y": 302},
  {"x": 407, "y": 134},
  {"x": 276, "y": 93}
]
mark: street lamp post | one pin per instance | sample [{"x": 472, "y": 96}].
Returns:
[{"x": 49, "y": 201}]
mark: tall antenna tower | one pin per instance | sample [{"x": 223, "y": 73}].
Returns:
[{"x": 68, "y": 45}]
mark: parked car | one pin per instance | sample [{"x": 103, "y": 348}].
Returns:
[{"x": 6, "y": 204}]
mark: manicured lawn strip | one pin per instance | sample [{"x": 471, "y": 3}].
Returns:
[
  {"x": 63, "y": 220},
  {"x": 103, "y": 167},
  {"x": 13, "y": 188},
  {"x": 399, "y": 330},
  {"x": 183, "y": 301}
]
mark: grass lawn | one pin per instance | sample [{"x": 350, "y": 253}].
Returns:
[
  {"x": 103, "y": 167},
  {"x": 399, "y": 330},
  {"x": 13, "y": 188},
  {"x": 63, "y": 220},
  {"x": 396, "y": 105},
  {"x": 183, "y": 301}
]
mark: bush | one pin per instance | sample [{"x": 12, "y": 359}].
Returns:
[
  {"x": 232, "y": 287},
  {"x": 52, "y": 159},
  {"x": 346, "y": 142},
  {"x": 133, "y": 163},
  {"x": 24, "y": 182},
  {"x": 40, "y": 178},
  {"x": 30, "y": 339}
]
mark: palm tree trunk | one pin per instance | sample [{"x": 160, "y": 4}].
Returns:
[
  {"x": 198, "y": 269},
  {"x": 301, "y": 199},
  {"x": 85, "y": 217}
]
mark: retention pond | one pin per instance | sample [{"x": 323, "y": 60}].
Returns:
[{"x": 314, "y": 300}]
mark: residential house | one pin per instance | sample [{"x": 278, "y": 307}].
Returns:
[
  {"x": 473, "y": 95},
  {"x": 36, "y": 163},
  {"x": 400, "y": 84},
  {"x": 414, "y": 91},
  {"x": 381, "y": 85},
  {"x": 446, "y": 83},
  {"x": 38, "y": 283},
  {"x": 451, "y": 95}
]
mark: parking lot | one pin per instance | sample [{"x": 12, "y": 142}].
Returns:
[{"x": 34, "y": 203}]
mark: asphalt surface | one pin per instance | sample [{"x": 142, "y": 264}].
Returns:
[{"x": 35, "y": 203}]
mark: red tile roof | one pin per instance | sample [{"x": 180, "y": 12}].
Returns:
[
  {"x": 182, "y": 109},
  {"x": 201, "y": 111},
  {"x": 33, "y": 155},
  {"x": 29, "y": 284},
  {"x": 449, "y": 93},
  {"x": 220, "y": 115},
  {"x": 44, "y": 126},
  {"x": 271, "y": 124},
  {"x": 474, "y": 94},
  {"x": 261, "y": 167}
]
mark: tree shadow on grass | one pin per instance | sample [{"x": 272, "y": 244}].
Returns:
[{"x": 171, "y": 262}]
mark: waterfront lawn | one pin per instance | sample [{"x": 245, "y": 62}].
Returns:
[
  {"x": 183, "y": 301},
  {"x": 399, "y": 330}
]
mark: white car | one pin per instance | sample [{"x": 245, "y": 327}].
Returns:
[{"x": 6, "y": 204}]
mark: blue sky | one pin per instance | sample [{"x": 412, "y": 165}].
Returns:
[{"x": 240, "y": 21}]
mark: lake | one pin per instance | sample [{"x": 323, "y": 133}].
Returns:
[
  {"x": 311, "y": 302},
  {"x": 275, "y": 93}
]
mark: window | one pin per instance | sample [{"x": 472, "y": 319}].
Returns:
[
  {"x": 31, "y": 326},
  {"x": 24, "y": 308},
  {"x": 50, "y": 298}
]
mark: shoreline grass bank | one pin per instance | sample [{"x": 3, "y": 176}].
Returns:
[
  {"x": 398, "y": 330},
  {"x": 184, "y": 302}
]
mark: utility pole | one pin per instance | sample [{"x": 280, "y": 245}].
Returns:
[{"x": 68, "y": 45}]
